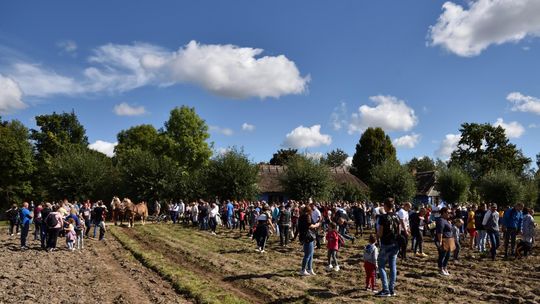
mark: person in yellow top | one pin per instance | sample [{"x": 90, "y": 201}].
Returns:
[{"x": 471, "y": 228}]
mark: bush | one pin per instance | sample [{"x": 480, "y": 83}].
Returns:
[
  {"x": 501, "y": 187},
  {"x": 453, "y": 185},
  {"x": 305, "y": 178},
  {"x": 390, "y": 179}
]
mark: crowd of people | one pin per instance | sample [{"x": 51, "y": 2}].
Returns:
[
  {"x": 73, "y": 221},
  {"x": 391, "y": 227}
]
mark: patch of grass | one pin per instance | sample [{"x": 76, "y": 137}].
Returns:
[{"x": 184, "y": 281}]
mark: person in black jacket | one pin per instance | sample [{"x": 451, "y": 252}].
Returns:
[
  {"x": 417, "y": 223},
  {"x": 44, "y": 214},
  {"x": 13, "y": 217}
]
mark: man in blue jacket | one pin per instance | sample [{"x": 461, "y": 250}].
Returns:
[
  {"x": 512, "y": 224},
  {"x": 26, "y": 219}
]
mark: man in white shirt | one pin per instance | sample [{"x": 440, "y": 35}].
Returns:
[
  {"x": 404, "y": 229},
  {"x": 316, "y": 217}
]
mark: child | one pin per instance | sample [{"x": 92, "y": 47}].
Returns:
[
  {"x": 79, "y": 230},
  {"x": 456, "y": 228},
  {"x": 102, "y": 230},
  {"x": 371, "y": 253},
  {"x": 332, "y": 239},
  {"x": 71, "y": 236}
]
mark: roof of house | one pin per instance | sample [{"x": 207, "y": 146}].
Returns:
[
  {"x": 425, "y": 183},
  {"x": 269, "y": 178}
]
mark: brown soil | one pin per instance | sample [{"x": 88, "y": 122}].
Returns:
[{"x": 103, "y": 272}]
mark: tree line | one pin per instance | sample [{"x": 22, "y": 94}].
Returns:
[{"x": 54, "y": 162}]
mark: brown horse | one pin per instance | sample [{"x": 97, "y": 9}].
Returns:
[
  {"x": 118, "y": 212},
  {"x": 133, "y": 210}
]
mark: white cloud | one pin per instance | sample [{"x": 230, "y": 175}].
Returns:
[
  {"x": 524, "y": 103},
  {"x": 468, "y": 31},
  {"x": 67, "y": 46},
  {"x": 390, "y": 113},
  {"x": 221, "y": 151},
  {"x": 124, "y": 109},
  {"x": 407, "y": 141},
  {"x": 448, "y": 145},
  {"x": 533, "y": 126},
  {"x": 348, "y": 161},
  {"x": 104, "y": 147},
  {"x": 220, "y": 130},
  {"x": 338, "y": 118},
  {"x": 37, "y": 81},
  {"x": 248, "y": 127},
  {"x": 313, "y": 155},
  {"x": 304, "y": 137},
  {"x": 10, "y": 96},
  {"x": 512, "y": 129},
  {"x": 229, "y": 70}
]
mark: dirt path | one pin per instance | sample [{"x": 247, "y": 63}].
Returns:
[{"x": 101, "y": 273}]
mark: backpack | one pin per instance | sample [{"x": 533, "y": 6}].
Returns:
[
  {"x": 51, "y": 221},
  {"x": 391, "y": 227}
]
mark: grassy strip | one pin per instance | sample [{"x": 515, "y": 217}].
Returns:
[{"x": 185, "y": 282}]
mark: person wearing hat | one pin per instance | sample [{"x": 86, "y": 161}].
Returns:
[{"x": 491, "y": 224}]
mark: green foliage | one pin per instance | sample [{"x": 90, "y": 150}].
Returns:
[
  {"x": 501, "y": 187},
  {"x": 483, "y": 148},
  {"x": 374, "y": 148},
  {"x": 421, "y": 164},
  {"x": 232, "y": 176},
  {"x": 144, "y": 137},
  {"x": 79, "y": 173},
  {"x": 335, "y": 158},
  {"x": 16, "y": 163},
  {"x": 390, "y": 179},
  {"x": 348, "y": 192},
  {"x": 282, "y": 156},
  {"x": 530, "y": 192},
  {"x": 146, "y": 176},
  {"x": 453, "y": 185},
  {"x": 305, "y": 178},
  {"x": 57, "y": 132}
]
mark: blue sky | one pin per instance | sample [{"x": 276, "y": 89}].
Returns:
[{"x": 268, "y": 75}]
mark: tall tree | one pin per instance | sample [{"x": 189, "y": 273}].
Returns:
[
  {"x": 335, "y": 158},
  {"x": 305, "y": 178},
  {"x": 373, "y": 148},
  {"x": 232, "y": 176},
  {"x": 282, "y": 156},
  {"x": 144, "y": 137},
  {"x": 421, "y": 164},
  {"x": 189, "y": 134},
  {"x": 390, "y": 179},
  {"x": 453, "y": 185},
  {"x": 16, "y": 162},
  {"x": 483, "y": 148},
  {"x": 501, "y": 187}
]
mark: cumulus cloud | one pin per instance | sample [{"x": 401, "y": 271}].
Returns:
[
  {"x": 407, "y": 141},
  {"x": 389, "y": 113},
  {"x": 104, "y": 147},
  {"x": 229, "y": 70},
  {"x": 348, "y": 161},
  {"x": 248, "y": 127},
  {"x": 220, "y": 130},
  {"x": 10, "y": 96},
  {"x": 67, "y": 46},
  {"x": 124, "y": 109},
  {"x": 523, "y": 103},
  {"x": 304, "y": 137},
  {"x": 468, "y": 31},
  {"x": 512, "y": 129},
  {"x": 448, "y": 145},
  {"x": 338, "y": 118}
]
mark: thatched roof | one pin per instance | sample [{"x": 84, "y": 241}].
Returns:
[
  {"x": 269, "y": 177},
  {"x": 425, "y": 183}
]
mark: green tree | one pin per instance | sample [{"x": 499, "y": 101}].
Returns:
[
  {"x": 282, "y": 156},
  {"x": 390, "y": 179},
  {"x": 335, "y": 158},
  {"x": 453, "y": 185},
  {"x": 144, "y": 137},
  {"x": 530, "y": 192},
  {"x": 232, "y": 176},
  {"x": 483, "y": 148},
  {"x": 501, "y": 187},
  {"x": 348, "y": 192},
  {"x": 79, "y": 173},
  {"x": 16, "y": 162},
  {"x": 188, "y": 134},
  {"x": 374, "y": 148},
  {"x": 421, "y": 164},
  {"x": 305, "y": 178}
]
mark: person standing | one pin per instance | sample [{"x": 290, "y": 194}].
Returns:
[
  {"x": 44, "y": 231},
  {"x": 491, "y": 224},
  {"x": 471, "y": 227},
  {"x": 284, "y": 225},
  {"x": 444, "y": 240},
  {"x": 404, "y": 229},
  {"x": 55, "y": 223},
  {"x": 316, "y": 217},
  {"x": 37, "y": 222},
  {"x": 480, "y": 229},
  {"x": 212, "y": 221},
  {"x": 26, "y": 219},
  {"x": 12, "y": 215},
  {"x": 388, "y": 231},
  {"x": 528, "y": 228},
  {"x": 230, "y": 214},
  {"x": 417, "y": 223},
  {"x": 512, "y": 225},
  {"x": 85, "y": 214},
  {"x": 307, "y": 236},
  {"x": 97, "y": 216}
]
